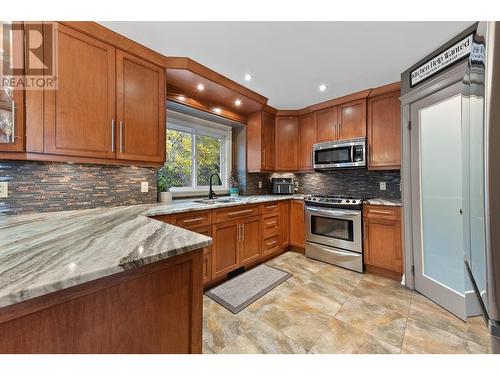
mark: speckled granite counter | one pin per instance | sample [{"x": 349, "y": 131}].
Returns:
[
  {"x": 47, "y": 252},
  {"x": 384, "y": 202}
]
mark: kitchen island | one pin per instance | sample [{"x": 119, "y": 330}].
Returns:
[{"x": 107, "y": 280}]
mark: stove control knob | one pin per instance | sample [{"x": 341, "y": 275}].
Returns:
[{"x": 348, "y": 201}]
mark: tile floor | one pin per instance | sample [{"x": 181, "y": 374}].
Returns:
[{"x": 327, "y": 309}]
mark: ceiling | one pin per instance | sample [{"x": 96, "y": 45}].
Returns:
[{"x": 289, "y": 60}]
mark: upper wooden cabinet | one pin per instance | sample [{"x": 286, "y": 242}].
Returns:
[
  {"x": 352, "y": 120},
  {"x": 140, "y": 109},
  {"x": 307, "y": 137},
  {"x": 344, "y": 121},
  {"x": 326, "y": 125},
  {"x": 79, "y": 115},
  {"x": 384, "y": 131},
  {"x": 287, "y": 143},
  {"x": 108, "y": 108},
  {"x": 260, "y": 142}
]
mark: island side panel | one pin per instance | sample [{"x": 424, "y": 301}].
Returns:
[{"x": 155, "y": 308}]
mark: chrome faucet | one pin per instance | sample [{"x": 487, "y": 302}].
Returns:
[{"x": 211, "y": 193}]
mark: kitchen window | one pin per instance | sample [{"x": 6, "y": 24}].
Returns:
[{"x": 196, "y": 148}]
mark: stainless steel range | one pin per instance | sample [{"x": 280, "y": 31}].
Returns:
[{"x": 333, "y": 230}]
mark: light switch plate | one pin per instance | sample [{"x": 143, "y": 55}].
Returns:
[
  {"x": 4, "y": 189},
  {"x": 260, "y": 184},
  {"x": 144, "y": 187},
  {"x": 383, "y": 185}
]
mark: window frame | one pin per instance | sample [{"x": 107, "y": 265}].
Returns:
[{"x": 197, "y": 126}]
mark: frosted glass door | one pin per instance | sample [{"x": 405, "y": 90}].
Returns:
[{"x": 439, "y": 229}]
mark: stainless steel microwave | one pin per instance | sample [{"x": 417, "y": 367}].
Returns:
[{"x": 340, "y": 154}]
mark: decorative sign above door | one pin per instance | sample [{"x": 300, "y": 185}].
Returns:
[{"x": 450, "y": 56}]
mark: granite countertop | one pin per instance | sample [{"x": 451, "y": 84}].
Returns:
[
  {"x": 384, "y": 202},
  {"x": 46, "y": 252}
]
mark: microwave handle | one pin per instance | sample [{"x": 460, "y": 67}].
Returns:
[{"x": 352, "y": 154}]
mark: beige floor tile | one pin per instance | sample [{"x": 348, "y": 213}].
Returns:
[
  {"x": 296, "y": 318},
  {"x": 343, "y": 338},
  {"x": 260, "y": 338},
  {"x": 394, "y": 298},
  {"x": 386, "y": 325},
  {"x": 221, "y": 326},
  {"x": 425, "y": 339}
]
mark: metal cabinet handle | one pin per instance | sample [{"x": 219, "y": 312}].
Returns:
[
  {"x": 13, "y": 130},
  {"x": 239, "y": 212},
  {"x": 264, "y": 156},
  {"x": 113, "y": 135},
  {"x": 121, "y": 136},
  {"x": 271, "y": 207},
  {"x": 193, "y": 220}
]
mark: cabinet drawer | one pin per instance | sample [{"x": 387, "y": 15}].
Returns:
[
  {"x": 382, "y": 212},
  {"x": 226, "y": 214},
  {"x": 270, "y": 226},
  {"x": 270, "y": 208},
  {"x": 271, "y": 245},
  {"x": 191, "y": 219}
]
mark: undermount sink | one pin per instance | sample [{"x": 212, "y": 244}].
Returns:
[{"x": 217, "y": 200}]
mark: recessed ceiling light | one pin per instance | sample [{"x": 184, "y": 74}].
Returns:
[
  {"x": 237, "y": 102},
  {"x": 248, "y": 77},
  {"x": 200, "y": 87},
  {"x": 322, "y": 87},
  {"x": 217, "y": 110}
]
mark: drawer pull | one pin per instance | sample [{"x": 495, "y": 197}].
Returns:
[
  {"x": 380, "y": 212},
  {"x": 193, "y": 220},
  {"x": 271, "y": 243},
  {"x": 239, "y": 212},
  {"x": 269, "y": 223},
  {"x": 269, "y": 208}
]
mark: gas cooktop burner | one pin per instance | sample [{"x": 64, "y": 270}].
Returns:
[{"x": 334, "y": 200}]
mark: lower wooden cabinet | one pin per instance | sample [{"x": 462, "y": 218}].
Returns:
[
  {"x": 382, "y": 240},
  {"x": 250, "y": 240},
  {"x": 297, "y": 224},
  {"x": 225, "y": 247},
  {"x": 207, "y": 265},
  {"x": 284, "y": 224}
]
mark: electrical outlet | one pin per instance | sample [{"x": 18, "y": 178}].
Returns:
[
  {"x": 4, "y": 189},
  {"x": 144, "y": 187},
  {"x": 260, "y": 184},
  {"x": 383, "y": 185}
]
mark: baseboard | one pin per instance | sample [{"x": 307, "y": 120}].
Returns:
[
  {"x": 383, "y": 272},
  {"x": 472, "y": 307}
]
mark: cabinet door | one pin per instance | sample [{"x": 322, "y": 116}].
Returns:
[
  {"x": 284, "y": 224},
  {"x": 78, "y": 116},
  {"x": 225, "y": 247},
  {"x": 307, "y": 137},
  {"x": 352, "y": 120},
  {"x": 384, "y": 132},
  {"x": 250, "y": 240},
  {"x": 382, "y": 244},
  {"x": 140, "y": 108},
  {"x": 12, "y": 127},
  {"x": 297, "y": 224},
  {"x": 287, "y": 134},
  {"x": 268, "y": 154},
  {"x": 326, "y": 125}
]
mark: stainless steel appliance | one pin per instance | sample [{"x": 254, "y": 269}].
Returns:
[
  {"x": 282, "y": 185},
  {"x": 333, "y": 230},
  {"x": 483, "y": 258},
  {"x": 340, "y": 154}
]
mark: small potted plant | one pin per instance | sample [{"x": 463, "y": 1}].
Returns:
[
  {"x": 234, "y": 190},
  {"x": 164, "y": 185}
]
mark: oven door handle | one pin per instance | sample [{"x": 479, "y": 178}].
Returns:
[{"x": 332, "y": 213}]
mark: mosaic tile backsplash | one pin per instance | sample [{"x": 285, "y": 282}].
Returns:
[
  {"x": 353, "y": 182},
  {"x": 43, "y": 187}
]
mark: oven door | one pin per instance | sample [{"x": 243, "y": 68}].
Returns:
[{"x": 334, "y": 227}]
